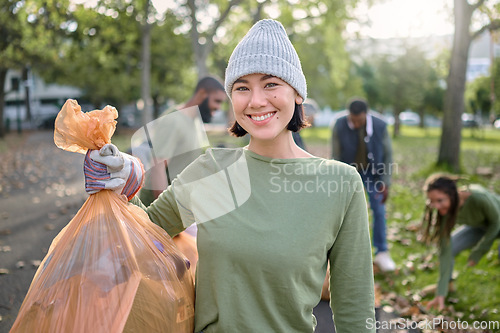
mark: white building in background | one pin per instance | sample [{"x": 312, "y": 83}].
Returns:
[
  {"x": 478, "y": 67},
  {"x": 45, "y": 99},
  {"x": 481, "y": 52}
]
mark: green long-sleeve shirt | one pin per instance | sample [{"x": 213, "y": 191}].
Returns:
[
  {"x": 481, "y": 209},
  {"x": 266, "y": 230}
]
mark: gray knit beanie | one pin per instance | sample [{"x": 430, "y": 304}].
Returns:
[{"x": 266, "y": 49}]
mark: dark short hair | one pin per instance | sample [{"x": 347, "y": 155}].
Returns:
[
  {"x": 209, "y": 84},
  {"x": 297, "y": 122},
  {"x": 357, "y": 106}
]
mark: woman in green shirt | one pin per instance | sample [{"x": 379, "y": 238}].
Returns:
[
  {"x": 473, "y": 207},
  {"x": 270, "y": 216}
]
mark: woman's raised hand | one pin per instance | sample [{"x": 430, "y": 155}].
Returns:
[{"x": 110, "y": 169}]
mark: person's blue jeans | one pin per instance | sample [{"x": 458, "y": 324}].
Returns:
[
  {"x": 466, "y": 237},
  {"x": 375, "y": 198},
  {"x": 462, "y": 239}
]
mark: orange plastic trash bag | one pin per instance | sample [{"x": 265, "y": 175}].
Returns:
[{"x": 110, "y": 269}]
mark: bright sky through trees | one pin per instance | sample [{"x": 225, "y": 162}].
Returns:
[
  {"x": 386, "y": 19},
  {"x": 404, "y": 18}
]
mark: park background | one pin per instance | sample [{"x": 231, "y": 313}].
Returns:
[{"x": 436, "y": 79}]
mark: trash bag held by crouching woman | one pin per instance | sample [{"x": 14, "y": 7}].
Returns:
[{"x": 110, "y": 269}]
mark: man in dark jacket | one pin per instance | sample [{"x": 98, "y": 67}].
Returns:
[{"x": 360, "y": 139}]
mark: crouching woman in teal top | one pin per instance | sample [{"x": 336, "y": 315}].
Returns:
[
  {"x": 270, "y": 216},
  {"x": 473, "y": 207}
]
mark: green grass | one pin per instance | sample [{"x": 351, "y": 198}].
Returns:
[
  {"x": 478, "y": 288},
  {"x": 477, "y": 293},
  {"x": 415, "y": 152}
]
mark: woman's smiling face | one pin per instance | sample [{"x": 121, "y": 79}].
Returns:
[
  {"x": 263, "y": 105},
  {"x": 439, "y": 200}
]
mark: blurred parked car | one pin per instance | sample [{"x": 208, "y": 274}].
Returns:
[
  {"x": 496, "y": 124},
  {"x": 324, "y": 118},
  {"x": 47, "y": 122},
  {"x": 409, "y": 118},
  {"x": 469, "y": 121}
]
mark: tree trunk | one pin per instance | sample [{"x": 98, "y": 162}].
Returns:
[
  {"x": 257, "y": 16},
  {"x": 397, "y": 123},
  {"x": 421, "y": 113},
  {"x": 201, "y": 57},
  {"x": 156, "y": 106},
  {"x": 200, "y": 50},
  {"x": 398, "y": 108},
  {"x": 449, "y": 150},
  {"x": 492, "y": 81},
  {"x": 3, "y": 75},
  {"x": 147, "y": 114},
  {"x": 27, "y": 97}
]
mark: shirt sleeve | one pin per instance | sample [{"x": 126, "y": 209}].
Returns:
[
  {"x": 492, "y": 216},
  {"x": 387, "y": 144},
  {"x": 445, "y": 266},
  {"x": 351, "y": 270},
  {"x": 163, "y": 212}
]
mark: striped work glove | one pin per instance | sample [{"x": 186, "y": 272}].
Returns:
[{"x": 110, "y": 169}]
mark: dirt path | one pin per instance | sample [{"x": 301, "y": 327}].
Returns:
[{"x": 41, "y": 188}]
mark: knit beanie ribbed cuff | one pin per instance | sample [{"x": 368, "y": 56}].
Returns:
[{"x": 266, "y": 49}]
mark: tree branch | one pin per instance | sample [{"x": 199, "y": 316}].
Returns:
[
  {"x": 478, "y": 4},
  {"x": 224, "y": 15},
  {"x": 194, "y": 24},
  {"x": 493, "y": 25},
  {"x": 257, "y": 16},
  {"x": 217, "y": 24}
]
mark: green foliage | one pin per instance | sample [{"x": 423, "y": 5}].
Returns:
[
  {"x": 11, "y": 32},
  {"x": 31, "y": 33},
  {"x": 370, "y": 85},
  {"x": 320, "y": 44},
  {"x": 495, "y": 72},
  {"x": 478, "y": 92},
  {"x": 172, "y": 71},
  {"x": 315, "y": 28},
  {"x": 97, "y": 49},
  {"x": 100, "y": 57},
  {"x": 404, "y": 77},
  {"x": 477, "y": 95},
  {"x": 433, "y": 91},
  {"x": 399, "y": 82}
]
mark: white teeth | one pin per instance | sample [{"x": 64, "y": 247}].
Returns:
[{"x": 260, "y": 118}]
